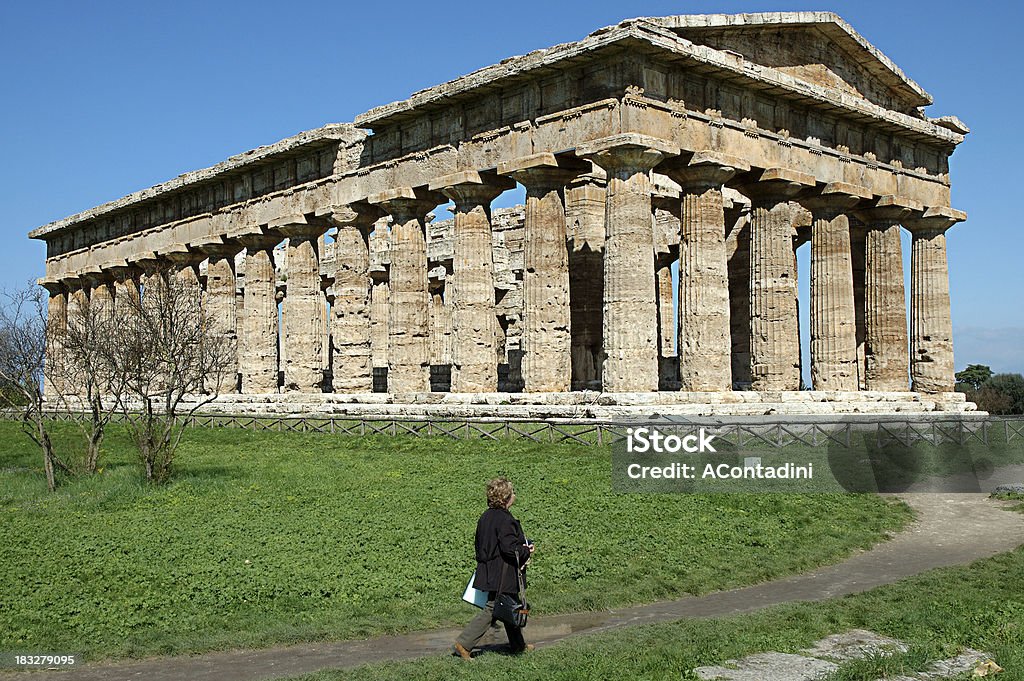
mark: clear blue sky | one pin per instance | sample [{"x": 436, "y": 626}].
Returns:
[{"x": 101, "y": 99}]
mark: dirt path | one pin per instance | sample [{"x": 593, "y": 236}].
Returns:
[{"x": 951, "y": 529}]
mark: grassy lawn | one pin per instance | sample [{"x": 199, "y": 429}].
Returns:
[
  {"x": 979, "y": 606},
  {"x": 267, "y": 538}
]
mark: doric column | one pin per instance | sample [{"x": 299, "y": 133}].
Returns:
[
  {"x": 584, "y": 214},
  {"x": 931, "y": 330},
  {"x": 101, "y": 294},
  {"x": 547, "y": 337},
  {"x": 857, "y": 234},
  {"x": 833, "y": 313},
  {"x": 737, "y": 246},
  {"x": 409, "y": 298},
  {"x": 126, "y": 288},
  {"x": 885, "y": 308},
  {"x": 221, "y": 307},
  {"x": 257, "y": 358},
  {"x": 471, "y": 292},
  {"x": 351, "y": 356},
  {"x": 666, "y": 314},
  {"x": 630, "y": 312},
  {"x": 703, "y": 333},
  {"x": 56, "y": 323},
  {"x": 184, "y": 266},
  {"x": 774, "y": 326},
  {"x": 303, "y": 306}
]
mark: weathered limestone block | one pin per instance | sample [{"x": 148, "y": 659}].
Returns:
[
  {"x": 833, "y": 313},
  {"x": 409, "y": 298},
  {"x": 774, "y": 330},
  {"x": 350, "y": 325},
  {"x": 221, "y": 305},
  {"x": 304, "y": 302},
  {"x": 257, "y": 359},
  {"x": 931, "y": 331},
  {"x": 704, "y": 327},
  {"x": 630, "y": 308},
  {"x": 547, "y": 338},
  {"x": 584, "y": 213},
  {"x": 885, "y": 326},
  {"x": 471, "y": 289}
]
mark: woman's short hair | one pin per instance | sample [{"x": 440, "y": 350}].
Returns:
[{"x": 499, "y": 490}]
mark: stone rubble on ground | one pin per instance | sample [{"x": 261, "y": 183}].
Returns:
[{"x": 825, "y": 656}]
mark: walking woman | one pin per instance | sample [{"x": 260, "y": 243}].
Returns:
[{"x": 501, "y": 549}]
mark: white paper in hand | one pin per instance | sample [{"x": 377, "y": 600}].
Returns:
[{"x": 474, "y": 596}]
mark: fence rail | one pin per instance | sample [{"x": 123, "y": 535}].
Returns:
[{"x": 777, "y": 432}]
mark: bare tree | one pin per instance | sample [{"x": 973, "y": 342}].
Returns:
[
  {"x": 23, "y": 341},
  {"x": 79, "y": 371},
  {"x": 171, "y": 362}
]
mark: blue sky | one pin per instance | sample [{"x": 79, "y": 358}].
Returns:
[{"x": 101, "y": 99}]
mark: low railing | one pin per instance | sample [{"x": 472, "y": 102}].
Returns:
[{"x": 773, "y": 431}]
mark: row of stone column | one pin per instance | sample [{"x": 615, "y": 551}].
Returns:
[{"x": 630, "y": 289}]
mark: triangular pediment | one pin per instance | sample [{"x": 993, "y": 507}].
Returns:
[{"x": 817, "y": 47}]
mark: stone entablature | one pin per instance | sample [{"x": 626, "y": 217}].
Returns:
[{"x": 716, "y": 142}]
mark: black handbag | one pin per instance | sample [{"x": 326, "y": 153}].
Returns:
[{"x": 513, "y": 610}]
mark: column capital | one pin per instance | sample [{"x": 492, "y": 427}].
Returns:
[
  {"x": 889, "y": 210},
  {"x": 627, "y": 152},
  {"x": 54, "y": 287},
  {"x": 705, "y": 170},
  {"x": 773, "y": 185},
  {"x": 302, "y": 231},
  {"x": 833, "y": 198},
  {"x": 406, "y": 203},
  {"x": 180, "y": 255},
  {"x": 358, "y": 213},
  {"x": 543, "y": 171},
  {"x": 469, "y": 188},
  {"x": 222, "y": 248},
  {"x": 936, "y": 219},
  {"x": 258, "y": 241}
]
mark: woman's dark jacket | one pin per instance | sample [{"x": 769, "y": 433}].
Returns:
[{"x": 499, "y": 539}]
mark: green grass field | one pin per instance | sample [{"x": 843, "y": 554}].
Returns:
[
  {"x": 266, "y": 538},
  {"x": 939, "y": 613}
]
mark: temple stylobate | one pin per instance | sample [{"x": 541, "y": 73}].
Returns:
[{"x": 672, "y": 166}]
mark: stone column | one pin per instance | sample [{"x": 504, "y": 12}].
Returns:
[
  {"x": 303, "y": 307},
  {"x": 774, "y": 325},
  {"x": 931, "y": 330},
  {"x": 833, "y": 313},
  {"x": 704, "y": 339},
  {"x": 257, "y": 359},
  {"x": 101, "y": 295},
  {"x": 126, "y": 288},
  {"x": 630, "y": 312},
  {"x": 547, "y": 338},
  {"x": 885, "y": 325},
  {"x": 350, "y": 312},
  {"x": 666, "y": 314},
  {"x": 471, "y": 296},
  {"x": 584, "y": 213},
  {"x": 56, "y": 321},
  {"x": 738, "y": 250},
  {"x": 221, "y": 307},
  {"x": 857, "y": 234},
  {"x": 409, "y": 298}
]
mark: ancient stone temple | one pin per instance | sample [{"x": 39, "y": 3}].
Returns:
[{"x": 671, "y": 167}]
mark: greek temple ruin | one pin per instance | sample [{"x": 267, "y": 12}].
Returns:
[{"x": 672, "y": 167}]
